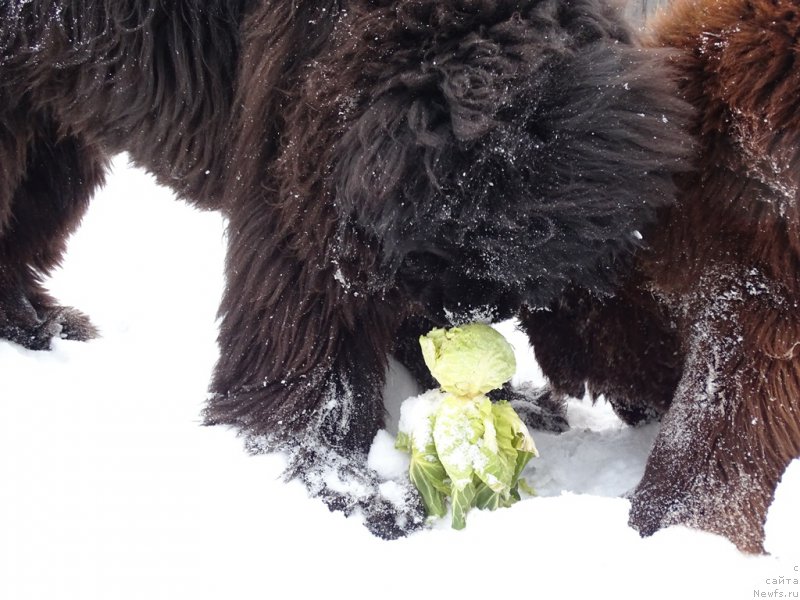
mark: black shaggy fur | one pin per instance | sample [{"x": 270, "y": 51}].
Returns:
[{"x": 384, "y": 165}]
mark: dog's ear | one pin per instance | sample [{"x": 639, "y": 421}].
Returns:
[
  {"x": 477, "y": 82},
  {"x": 388, "y": 169},
  {"x": 397, "y": 164}
]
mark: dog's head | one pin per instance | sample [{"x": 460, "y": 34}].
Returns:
[{"x": 505, "y": 146}]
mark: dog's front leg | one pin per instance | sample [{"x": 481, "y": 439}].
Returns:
[
  {"x": 732, "y": 427},
  {"x": 301, "y": 370}
]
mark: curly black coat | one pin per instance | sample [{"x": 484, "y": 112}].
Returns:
[{"x": 381, "y": 163}]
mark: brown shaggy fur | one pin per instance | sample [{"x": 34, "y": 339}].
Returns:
[
  {"x": 706, "y": 335},
  {"x": 383, "y": 165}
]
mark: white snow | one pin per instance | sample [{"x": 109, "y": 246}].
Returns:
[
  {"x": 111, "y": 489},
  {"x": 783, "y": 522},
  {"x": 415, "y": 417},
  {"x": 386, "y": 460}
]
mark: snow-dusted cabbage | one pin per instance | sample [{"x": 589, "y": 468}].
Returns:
[
  {"x": 462, "y": 445},
  {"x": 468, "y": 360}
]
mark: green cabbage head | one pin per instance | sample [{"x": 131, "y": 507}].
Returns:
[
  {"x": 468, "y": 360},
  {"x": 463, "y": 446}
]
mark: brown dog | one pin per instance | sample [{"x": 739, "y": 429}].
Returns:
[{"x": 706, "y": 333}]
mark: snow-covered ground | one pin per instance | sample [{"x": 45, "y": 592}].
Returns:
[{"x": 110, "y": 488}]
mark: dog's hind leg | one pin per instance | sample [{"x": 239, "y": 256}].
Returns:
[{"x": 46, "y": 181}]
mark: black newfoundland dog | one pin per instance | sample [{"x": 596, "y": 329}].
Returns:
[{"x": 384, "y": 165}]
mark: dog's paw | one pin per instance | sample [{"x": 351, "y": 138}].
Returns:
[
  {"x": 61, "y": 322},
  {"x": 650, "y": 511},
  {"x": 35, "y": 330},
  {"x": 68, "y": 324},
  {"x": 394, "y": 512},
  {"x": 390, "y": 509},
  {"x": 539, "y": 408},
  {"x": 666, "y": 496},
  {"x": 727, "y": 507}
]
